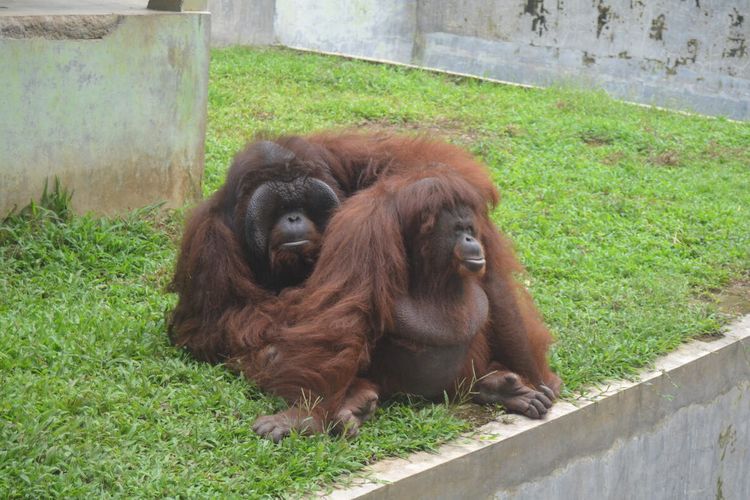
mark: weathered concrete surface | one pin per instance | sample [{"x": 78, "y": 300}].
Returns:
[
  {"x": 71, "y": 7},
  {"x": 682, "y": 431},
  {"x": 242, "y": 22},
  {"x": 687, "y": 54},
  {"x": 383, "y": 29},
  {"x": 683, "y": 54},
  {"x": 111, "y": 100}
]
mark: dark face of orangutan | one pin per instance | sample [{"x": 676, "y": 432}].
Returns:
[{"x": 284, "y": 222}]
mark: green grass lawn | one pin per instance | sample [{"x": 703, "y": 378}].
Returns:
[{"x": 628, "y": 219}]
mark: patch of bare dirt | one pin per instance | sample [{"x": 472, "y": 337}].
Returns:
[
  {"x": 478, "y": 415},
  {"x": 709, "y": 337},
  {"x": 716, "y": 151},
  {"x": 452, "y": 130},
  {"x": 735, "y": 299},
  {"x": 593, "y": 138},
  {"x": 613, "y": 158},
  {"x": 262, "y": 115},
  {"x": 667, "y": 159}
]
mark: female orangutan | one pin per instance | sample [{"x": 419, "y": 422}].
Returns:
[{"x": 413, "y": 291}]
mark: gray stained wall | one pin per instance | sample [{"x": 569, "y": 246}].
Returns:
[{"x": 692, "y": 55}]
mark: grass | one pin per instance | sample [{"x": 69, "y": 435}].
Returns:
[{"x": 628, "y": 220}]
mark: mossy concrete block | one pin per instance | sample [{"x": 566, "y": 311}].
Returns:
[{"x": 110, "y": 101}]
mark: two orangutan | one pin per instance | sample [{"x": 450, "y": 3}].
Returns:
[{"x": 408, "y": 286}]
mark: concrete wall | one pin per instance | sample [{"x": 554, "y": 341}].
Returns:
[
  {"x": 242, "y": 22},
  {"x": 686, "y": 54},
  {"x": 111, "y": 100},
  {"x": 681, "y": 431},
  {"x": 381, "y": 29}
]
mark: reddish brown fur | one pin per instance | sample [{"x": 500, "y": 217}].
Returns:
[
  {"x": 317, "y": 340},
  {"x": 220, "y": 298},
  {"x": 331, "y": 327},
  {"x": 217, "y": 289},
  {"x": 363, "y": 159}
]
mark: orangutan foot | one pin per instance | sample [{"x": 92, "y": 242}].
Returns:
[{"x": 506, "y": 388}]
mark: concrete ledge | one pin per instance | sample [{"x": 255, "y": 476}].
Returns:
[
  {"x": 111, "y": 100},
  {"x": 681, "y": 431}
]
